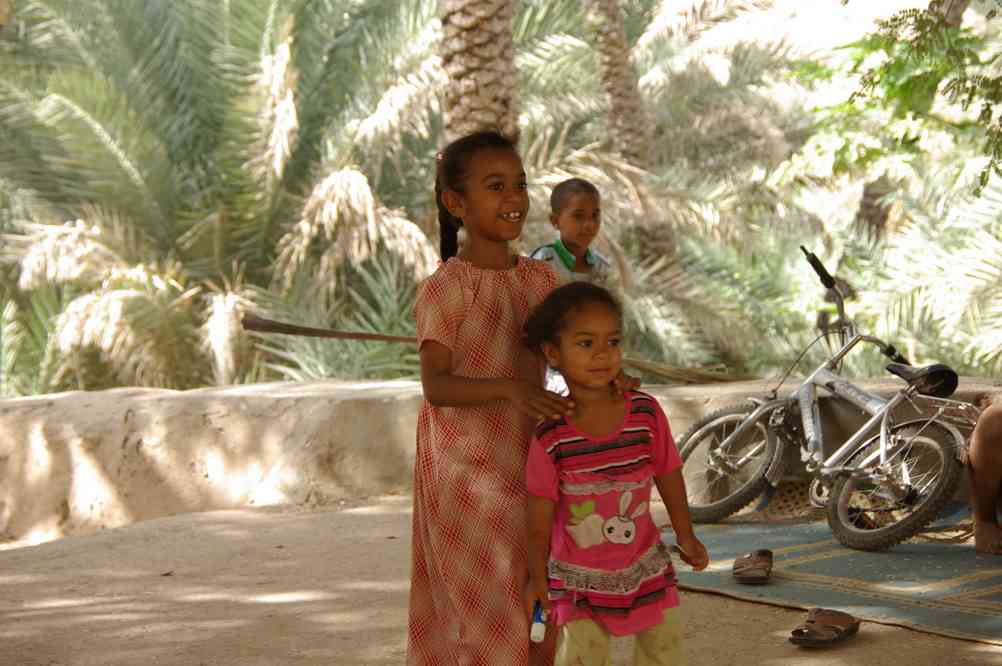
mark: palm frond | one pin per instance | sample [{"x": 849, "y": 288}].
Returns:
[
  {"x": 38, "y": 360},
  {"x": 11, "y": 340},
  {"x": 340, "y": 213},
  {"x": 186, "y": 62},
  {"x": 31, "y": 156},
  {"x": 392, "y": 137},
  {"x": 224, "y": 339},
  {"x": 687, "y": 24},
  {"x": 537, "y": 20},
  {"x": 332, "y": 53},
  {"x": 558, "y": 63},
  {"x": 406, "y": 241},
  {"x": 380, "y": 298},
  {"x": 144, "y": 326},
  {"x": 56, "y": 254},
  {"x": 48, "y": 39},
  {"x": 94, "y": 149}
]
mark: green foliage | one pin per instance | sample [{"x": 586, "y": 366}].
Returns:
[
  {"x": 922, "y": 56},
  {"x": 939, "y": 282},
  {"x": 11, "y": 339},
  {"x": 151, "y": 150},
  {"x": 29, "y": 363},
  {"x": 166, "y": 166},
  {"x": 909, "y": 75},
  {"x": 379, "y": 299}
]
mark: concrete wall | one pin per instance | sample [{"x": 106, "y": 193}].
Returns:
[{"x": 77, "y": 462}]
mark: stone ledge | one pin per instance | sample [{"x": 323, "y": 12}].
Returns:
[{"x": 78, "y": 462}]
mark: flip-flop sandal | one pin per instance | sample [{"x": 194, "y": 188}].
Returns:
[
  {"x": 753, "y": 568},
  {"x": 823, "y": 627}
]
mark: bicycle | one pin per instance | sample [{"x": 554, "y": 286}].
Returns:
[{"x": 888, "y": 481}]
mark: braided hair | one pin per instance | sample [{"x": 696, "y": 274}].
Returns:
[{"x": 453, "y": 165}]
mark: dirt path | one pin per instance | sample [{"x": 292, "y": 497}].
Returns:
[{"x": 288, "y": 585}]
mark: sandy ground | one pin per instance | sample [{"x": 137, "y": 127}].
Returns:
[{"x": 289, "y": 585}]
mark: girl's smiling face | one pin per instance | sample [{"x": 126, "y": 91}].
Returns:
[
  {"x": 578, "y": 221},
  {"x": 588, "y": 353},
  {"x": 495, "y": 197}
]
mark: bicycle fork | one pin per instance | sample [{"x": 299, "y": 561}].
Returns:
[{"x": 775, "y": 470}]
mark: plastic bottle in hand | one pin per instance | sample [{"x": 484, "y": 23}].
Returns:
[{"x": 538, "y": 631}]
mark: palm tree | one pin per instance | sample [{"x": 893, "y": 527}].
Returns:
[
  {"x": 478, "y": 56},
  {"x": 629, "y": 125},
  {"x": 172, "y": 155},
  {"x": 281, "y": 157}
]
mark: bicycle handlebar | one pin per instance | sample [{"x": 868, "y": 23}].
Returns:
[
  {"x": 893, "y": 354},
  {"x": 826, "y": 279},
  {"x": 829, "y": 282}
]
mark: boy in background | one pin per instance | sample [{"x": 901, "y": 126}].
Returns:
[{"x": 576, "y": 213}]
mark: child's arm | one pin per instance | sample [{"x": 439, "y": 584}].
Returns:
[
  {"x": 540, "y": 516},
  {"x": 671, "y": 487},
  {"x": 444, "y": 389}
]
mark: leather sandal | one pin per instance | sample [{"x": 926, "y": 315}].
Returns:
[
  {"x": 823, "y": 627},
  {"x": 753, "y": 568}
]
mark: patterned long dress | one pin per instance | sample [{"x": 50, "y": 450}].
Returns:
[{"x": 469, "y": 526}]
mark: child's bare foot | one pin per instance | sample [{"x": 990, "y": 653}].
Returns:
[{"x": 987, "y": 538}]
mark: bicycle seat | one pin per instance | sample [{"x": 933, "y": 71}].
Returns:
[{"x": 937, "y": 380}]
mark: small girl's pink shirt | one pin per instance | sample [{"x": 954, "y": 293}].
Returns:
[{"x": 603, "y": 533}]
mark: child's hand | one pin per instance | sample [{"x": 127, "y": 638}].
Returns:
[
  {"x": 537, "y": 402},
  {"x": 536, "y": 590},
  {"x": 624, "y": 382},
  {"x": 693, "y": 553}
]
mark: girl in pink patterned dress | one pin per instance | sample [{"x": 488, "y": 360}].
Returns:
[
  {"x": 596, "y": 561},
  {"x": 483, "y": 393}
]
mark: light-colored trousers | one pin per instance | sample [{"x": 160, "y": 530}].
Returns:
[{"x": 586, "y": 643}]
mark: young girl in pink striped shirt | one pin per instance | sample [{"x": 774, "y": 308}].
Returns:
[{"x": 597, "y": 564}]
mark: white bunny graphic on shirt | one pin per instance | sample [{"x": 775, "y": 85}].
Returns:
[{"x": 590, "y": 529}]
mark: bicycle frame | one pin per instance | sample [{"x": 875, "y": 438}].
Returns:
[
  {"x": 888, "y": 480},
  {"x": 806, "y": 395},
  {"x": 878, "y": 408},
  {"x": 950, "y": 413}
]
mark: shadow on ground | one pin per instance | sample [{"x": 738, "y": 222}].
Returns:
[
  {"x": 287, "y": 585},
  {"x": 265, "y": 586}
]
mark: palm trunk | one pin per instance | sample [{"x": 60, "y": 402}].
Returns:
[
  {"x": 951, "y": 10},
  {"x": 478, "y": 54},
  {"x": 629, "y": 126},
  {"x": 873, "y": 212}
]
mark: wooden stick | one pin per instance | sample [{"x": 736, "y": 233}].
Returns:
[
  {"x": 686, "y": 375},
  {"x": 261, "y": 325}
]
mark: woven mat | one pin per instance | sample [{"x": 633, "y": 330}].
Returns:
[{"x": 934, "y": 582}]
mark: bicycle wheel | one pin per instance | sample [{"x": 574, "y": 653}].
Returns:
[
  {"x": 721, "y": 482},
  {"x": 888, "y": 505}
]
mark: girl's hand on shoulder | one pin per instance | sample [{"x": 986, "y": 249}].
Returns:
[
  {"x": 625, "y": 383},
  {"x": 537, "y": 402},
  {"x": 694, "y": 553}
]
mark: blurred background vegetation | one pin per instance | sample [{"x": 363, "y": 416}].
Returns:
[{"x": 168, "y": 166}]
